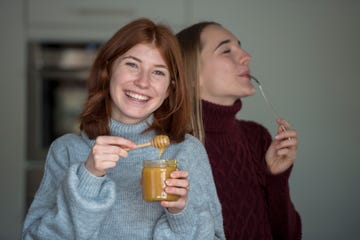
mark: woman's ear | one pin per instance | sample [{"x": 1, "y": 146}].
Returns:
[{"x": 171, "y": 87}]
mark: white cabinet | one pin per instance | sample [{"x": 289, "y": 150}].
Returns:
[{"x": 94, "y": 19}]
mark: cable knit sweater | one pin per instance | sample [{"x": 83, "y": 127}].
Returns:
[
  {"x": 71, "y": 203},
  {"x": 256, "y": 205}
]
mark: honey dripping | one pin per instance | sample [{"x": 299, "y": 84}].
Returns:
[{"x": 161, "y": 142}]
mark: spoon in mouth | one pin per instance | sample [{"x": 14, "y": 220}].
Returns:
[{"x": 270, "y": 106}]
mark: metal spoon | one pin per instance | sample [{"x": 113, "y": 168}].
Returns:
[{"x": 270, "y": 106}]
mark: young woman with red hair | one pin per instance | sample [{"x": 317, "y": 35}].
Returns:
[{"x": 91, "y": 187}]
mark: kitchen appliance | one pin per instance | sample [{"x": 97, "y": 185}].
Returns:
[
  {"x": 56, "y": 91},
  {"x": 56, "y": 84}
]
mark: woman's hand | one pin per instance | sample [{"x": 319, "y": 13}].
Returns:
[
  {"x": 178, "y": 184},
  {"x": 283, "y": 149},
  {"x": 106, "y": 153}
]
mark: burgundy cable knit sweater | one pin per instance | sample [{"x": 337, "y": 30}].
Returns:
[{"x": 256, "y": 205}]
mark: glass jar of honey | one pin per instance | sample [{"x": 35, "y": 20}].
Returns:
[{"x": 154, "y": 175}]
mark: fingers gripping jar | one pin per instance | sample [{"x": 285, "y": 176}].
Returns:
[{"x": 154, "y": 175}]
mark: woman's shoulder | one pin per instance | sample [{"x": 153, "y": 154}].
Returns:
[
  {"x": 68, "y": 141},
  {"x": 65, "y": 150},
  {"x": 191, "y": 145},
  {"x": 252, "y": 126},
  {"x": 255, "y": 132},
  {"x": 191, "y": 154},
  {"x": 192, "y": 140},
  {"x": 68, "y": 138}
]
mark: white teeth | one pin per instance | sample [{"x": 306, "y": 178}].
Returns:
[{"x": 137, "y": 96}]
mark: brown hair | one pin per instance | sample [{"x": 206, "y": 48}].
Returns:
[
  {"x": 173, "y": 117},
  {"x": 191, "y": 46}
]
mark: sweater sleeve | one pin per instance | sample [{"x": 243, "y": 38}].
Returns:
[
  {"x": 284, "y": 219},
  {"x": 71, "y": 203},
  {"x": 201, "y": 218}
]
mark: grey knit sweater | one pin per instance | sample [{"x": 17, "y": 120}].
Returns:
[{"x": 71, "y": 203}]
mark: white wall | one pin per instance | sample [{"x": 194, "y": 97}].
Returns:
[
  {"x": 12, "y": 121},
  {"x": 305, "y": 53}
]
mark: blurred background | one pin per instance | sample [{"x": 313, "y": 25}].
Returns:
[{"x": 305, "y": 53}]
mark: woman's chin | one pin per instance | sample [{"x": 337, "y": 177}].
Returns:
[{"x": 248, "y": 93}]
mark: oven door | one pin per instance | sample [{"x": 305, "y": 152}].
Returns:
[
  {"x": 56, "y": 103},
  {"x": 56, "y": 92}
]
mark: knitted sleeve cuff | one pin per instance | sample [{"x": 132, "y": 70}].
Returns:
[
  {"x": 280, "y": 181},
  {"x": 180, "y": 222},
  {"x": 89, "y": 185}
]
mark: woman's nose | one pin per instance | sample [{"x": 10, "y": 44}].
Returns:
[
  {"x": 245, "y": 57},
  {"x": 142, "y": 80}
]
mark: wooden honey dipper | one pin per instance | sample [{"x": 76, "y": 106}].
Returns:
[{"x": 160, "y": 141}]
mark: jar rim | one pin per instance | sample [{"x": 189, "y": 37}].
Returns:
[{"x": 160, "y": 163}]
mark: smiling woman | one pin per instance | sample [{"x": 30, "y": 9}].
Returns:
[
  {"x": 123, "y": 49},
  {"x": 139, "y": 83},
  {"x": 92, "y": 178}
]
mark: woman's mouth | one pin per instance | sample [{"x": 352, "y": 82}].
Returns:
[
  {"x": 137, "y": 96},
  {"x": 245, "y": 74}
]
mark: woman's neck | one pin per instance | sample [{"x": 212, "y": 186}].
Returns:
[{"x": 218, "y": 117}]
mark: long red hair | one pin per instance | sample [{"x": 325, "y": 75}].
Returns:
[{"x": 173, "y": 117}]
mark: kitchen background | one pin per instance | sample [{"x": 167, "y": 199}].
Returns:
[{"x": 306, "y": 54}]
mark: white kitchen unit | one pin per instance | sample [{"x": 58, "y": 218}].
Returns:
[{"x": 98, "y": 20}]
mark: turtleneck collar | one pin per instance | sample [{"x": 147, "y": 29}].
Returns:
[
  {"x": 133, "y": 132},
  {"x": 129, "y": 131},
  {"x": 219, "y": 118}
]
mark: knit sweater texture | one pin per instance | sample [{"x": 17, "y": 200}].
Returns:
[
  {"x": 256, "y": 205},
  {"x": 71, "y": 203}
]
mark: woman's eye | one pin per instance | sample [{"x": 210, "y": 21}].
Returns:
[
  {"x": 131, "y": 64},
  {"x": 227, "y": 51},
  {"x": 159, "y": 73}
]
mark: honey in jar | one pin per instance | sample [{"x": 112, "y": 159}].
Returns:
[{"x": 154, "y": 175}]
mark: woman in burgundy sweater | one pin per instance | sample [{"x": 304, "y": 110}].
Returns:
[{"x": 251, "y": 169}]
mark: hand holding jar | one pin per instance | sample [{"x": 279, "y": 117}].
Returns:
[
  {"x": 178, "y": 184},
  {"x": 163, "y": 182}
]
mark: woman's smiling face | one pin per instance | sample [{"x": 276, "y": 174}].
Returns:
[
  {"x": 224, "y": 71},
  {"x": 139, "y": 83}
]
